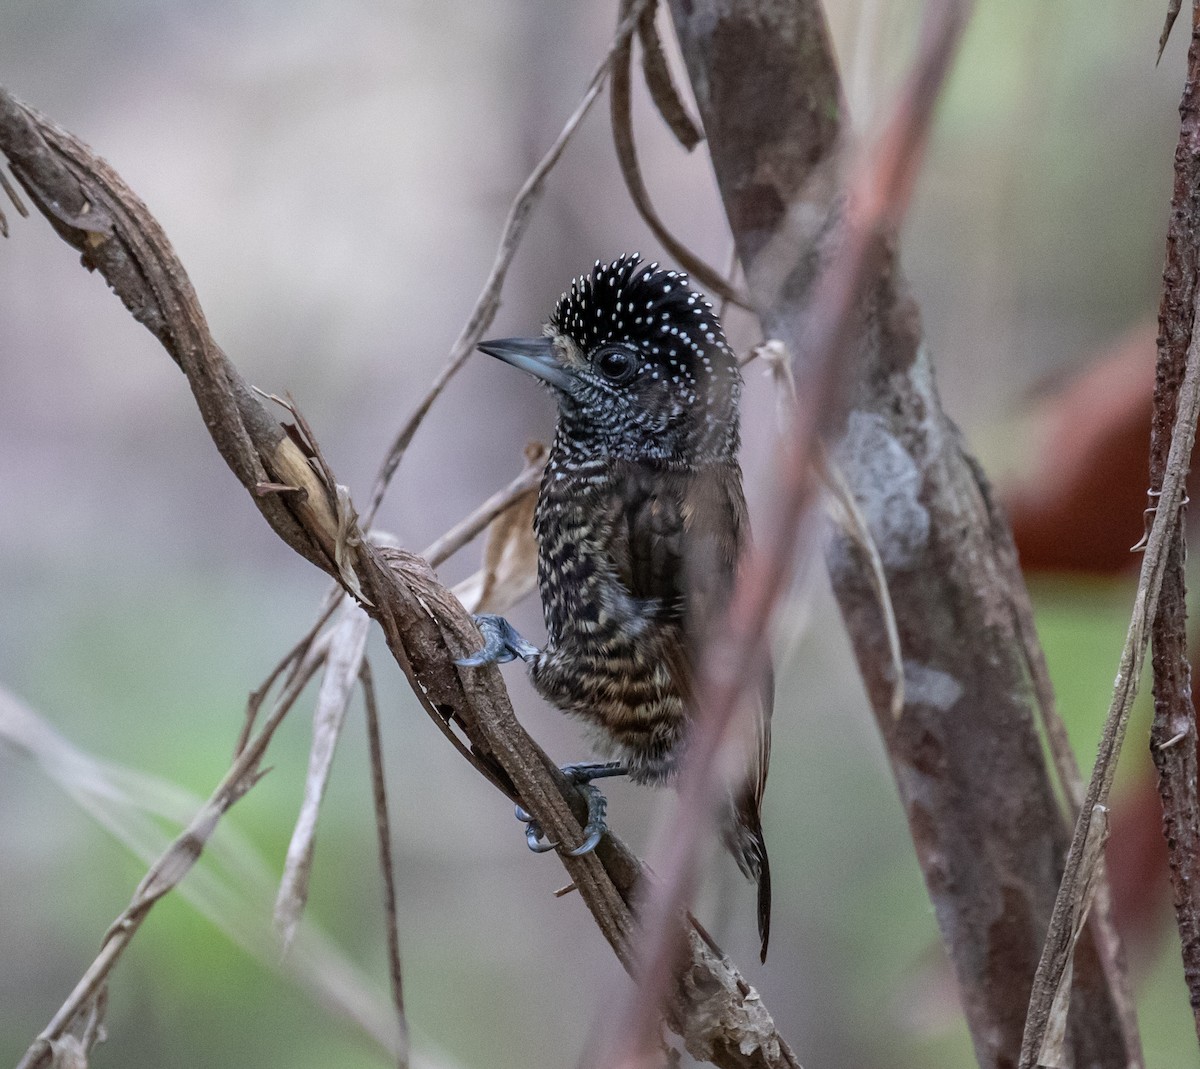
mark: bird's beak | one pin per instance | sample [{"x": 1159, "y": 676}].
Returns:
[{"x": 535, "y": 355}]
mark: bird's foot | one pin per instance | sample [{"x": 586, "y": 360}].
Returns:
[
  {"x": 501, "y": 642},
  {"x": 594, "y": 829}
]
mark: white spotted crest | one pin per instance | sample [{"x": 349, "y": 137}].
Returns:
[{"x": 680, "y": 394}]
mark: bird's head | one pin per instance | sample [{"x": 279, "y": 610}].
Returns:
[{"x": 640, "y": 366}]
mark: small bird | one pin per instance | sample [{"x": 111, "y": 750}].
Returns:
[{"x": 640, "y": 525}]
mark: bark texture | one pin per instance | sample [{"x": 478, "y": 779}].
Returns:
[{"x": 1173, "y": 739}]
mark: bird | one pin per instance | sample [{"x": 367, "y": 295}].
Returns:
[{"x": 641, "y": 524}]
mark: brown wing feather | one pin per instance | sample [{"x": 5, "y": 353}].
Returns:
[{"x": 685, "y": 534}]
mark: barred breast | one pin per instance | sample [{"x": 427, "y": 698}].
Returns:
[{"x": 606, "y": 660}]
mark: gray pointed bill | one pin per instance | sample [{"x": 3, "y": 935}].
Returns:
[{"x": 537, "y": 356}]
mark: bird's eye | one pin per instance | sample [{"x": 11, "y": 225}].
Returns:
[{"x": 617, "y": 364}]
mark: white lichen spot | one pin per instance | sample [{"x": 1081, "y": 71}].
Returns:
[
  {"x": 929, "y": 686},
  {"x": 887, "y": 485}
]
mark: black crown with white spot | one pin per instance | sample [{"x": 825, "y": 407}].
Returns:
[
  {"x": 627, "y": 300},
  {"x": 684, "y": 394}
]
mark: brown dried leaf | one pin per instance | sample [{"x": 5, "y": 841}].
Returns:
[
  {"x": 348, "y": 639},
  {"x": 509, "y": 571},
  {"x": 662, "y": 86}
]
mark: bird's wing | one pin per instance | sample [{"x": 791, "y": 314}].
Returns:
[{"x": 677, "y": 543}]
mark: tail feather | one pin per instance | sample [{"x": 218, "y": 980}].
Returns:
[
  {"x": 744, "y": 837},
  {"x": 764, "y": 899}
]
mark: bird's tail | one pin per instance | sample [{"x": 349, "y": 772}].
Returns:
[{"x": 744, "y": 838}]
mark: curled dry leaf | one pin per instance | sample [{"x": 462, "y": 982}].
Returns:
[
  {"x": 509, "y": 571},
  {"x": 662, "y": 86},
  {"x": 348, "y": 639}
]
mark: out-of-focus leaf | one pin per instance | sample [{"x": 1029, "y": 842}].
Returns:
[{"x": 232, "y": 885}]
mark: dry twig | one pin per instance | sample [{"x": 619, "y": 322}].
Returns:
[
  {"x": 1078, "y": 872},
  {"x": 1174, "y": 712},
  {"x": 461, "y": 533},
  {"x": 384, "y": 831},
  {"x": 622, "y": 129}
]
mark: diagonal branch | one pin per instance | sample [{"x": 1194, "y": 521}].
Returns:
[{"x": 425, "y": 628}]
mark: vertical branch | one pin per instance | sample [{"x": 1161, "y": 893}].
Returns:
[
  {"x": 1173, "y": 733},
  {"x": 965, "y": 753}
]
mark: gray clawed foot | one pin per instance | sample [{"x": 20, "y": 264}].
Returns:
[
  {"x": 535, "y": 838},
  {"x": 501, "y": 643},
  {"x": 594, "y": 829}
]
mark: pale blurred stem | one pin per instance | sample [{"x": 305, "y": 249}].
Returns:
[
  {"x": 965, "y": 751},
  {"x": 717, "y": 1015},
  {"x": 1173, "y": 738},
  {"x": 384, "y": 832}
]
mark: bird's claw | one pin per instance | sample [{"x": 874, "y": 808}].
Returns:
[
  {"x": 595, "y": 828},
  {"x": 534, "y": 836},
  {"x": 597, "y": 807},
  {"x": 501, "y": 643}
]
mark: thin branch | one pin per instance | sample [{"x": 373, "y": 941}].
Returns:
[
  {"x": 1102, "y": 916},
  {"x": 288, "y": 662},
  {"x": 850, "y": 518},
  {"x": 468, "y": 528},
  {"x": 384, "y": 832},
  {"x": 622, "y": 128},
  {"x": 1173, "y": 7},
  {"x": 1174, "y": 712},
  {"x": 1063, "y": 922},
  {"x": 488, "y": 301}
]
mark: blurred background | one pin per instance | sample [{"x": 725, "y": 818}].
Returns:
[{"x": 335, "y": 176}]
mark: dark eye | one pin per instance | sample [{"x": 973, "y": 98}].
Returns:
[{"x": 617, "y": 364}]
